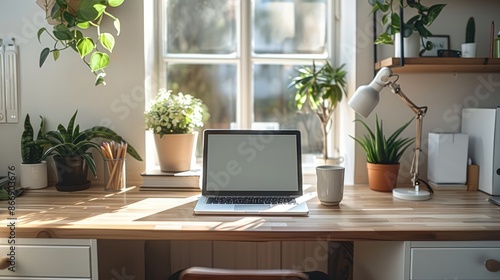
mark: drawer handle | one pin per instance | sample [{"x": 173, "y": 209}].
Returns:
[
  {"x": 4, "y": 262},
  {"x": 492, "y": 265}
]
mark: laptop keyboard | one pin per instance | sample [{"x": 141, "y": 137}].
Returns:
[{"x": 250, "y": 200}]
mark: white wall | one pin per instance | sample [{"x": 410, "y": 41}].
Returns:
[
  {"x": 59, "y": 88},
  {"x": 444, "y": 93}
]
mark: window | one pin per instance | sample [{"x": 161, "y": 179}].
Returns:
[{"x": 239, "y": 56}]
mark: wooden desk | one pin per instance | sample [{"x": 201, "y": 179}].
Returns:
[
  {"x": 150, "y": 225},
  {"x": 164, "y": 215}
]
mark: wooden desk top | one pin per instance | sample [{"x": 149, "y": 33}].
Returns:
[{"x": 166, "y": 215}]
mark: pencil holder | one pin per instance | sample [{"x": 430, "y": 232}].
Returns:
[{"x": 114, "y": 174}]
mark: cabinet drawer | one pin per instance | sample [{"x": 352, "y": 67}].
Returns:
[
  {"x": 49, "y": 261},
  {"x": 452, "y": 263}
]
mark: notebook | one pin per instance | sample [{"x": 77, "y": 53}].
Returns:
[{"x": 252, "y": 172}]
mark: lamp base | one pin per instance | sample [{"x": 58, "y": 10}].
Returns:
[{"x": 411, "y": 194}]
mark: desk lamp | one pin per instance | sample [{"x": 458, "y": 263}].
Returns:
[{"x": 364, "y": 101}]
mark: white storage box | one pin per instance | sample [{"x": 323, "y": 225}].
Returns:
[{"x": 447, "y": 158}]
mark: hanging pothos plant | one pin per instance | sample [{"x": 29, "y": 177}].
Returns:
[
  {"x": 419, "y": 23},
  {"x": 71, "y": 19}
]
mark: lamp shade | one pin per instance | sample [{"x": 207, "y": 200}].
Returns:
[
  {"x": 364, "y": 100},
  {"x": 366, "y": 97}
]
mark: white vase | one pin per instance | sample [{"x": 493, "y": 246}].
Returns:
[
  {"x": 175, "y": 151},
  {"x": 33, "y": 176},
  {"x": 411, "y": 45},
  {"x": 469, "y": 50}
]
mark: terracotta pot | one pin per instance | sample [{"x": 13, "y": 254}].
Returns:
[
  {"x": 382, "y": 177},
  {"x": 175, "y": 151}
]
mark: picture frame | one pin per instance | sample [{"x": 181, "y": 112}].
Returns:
[{"x": 439, "y": 42}]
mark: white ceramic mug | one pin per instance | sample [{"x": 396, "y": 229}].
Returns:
[{"x": 330, "y": 184}]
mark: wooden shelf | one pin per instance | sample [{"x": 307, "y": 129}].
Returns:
[{"x": 441, "y": 64}]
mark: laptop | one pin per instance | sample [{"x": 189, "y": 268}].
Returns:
[{"x": 252, "y": 172}]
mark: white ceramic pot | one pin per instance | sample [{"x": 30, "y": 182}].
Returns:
[
  {"x": 411, "y": 45},
  {"x": 469, "y": 50},
  {"x": 175, "y": 151},
  {"x": 33, "y": 176}
]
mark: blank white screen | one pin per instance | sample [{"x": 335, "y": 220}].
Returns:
[{"x": 252, "y": 163}]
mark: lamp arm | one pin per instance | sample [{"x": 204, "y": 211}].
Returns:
[
  {"x": 416, "y": 109},
  {"x": 414, "y": 171},
  {"x": 420, "y": 112}
]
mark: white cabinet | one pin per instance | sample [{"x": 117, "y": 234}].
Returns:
[
  {"x": 453, "y": 260},
  {"x": 425, "y": 260},
  {"x": 50, "y": 259}
]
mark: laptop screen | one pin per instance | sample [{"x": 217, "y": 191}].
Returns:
[{"x": 252, "y": 162}]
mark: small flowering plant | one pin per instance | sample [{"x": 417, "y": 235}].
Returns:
[{"x": 175, "y": 113}]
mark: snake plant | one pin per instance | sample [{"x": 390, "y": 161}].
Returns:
[
  {"x": 69, "y": 141},
  {"x": 31, "y": 148}
]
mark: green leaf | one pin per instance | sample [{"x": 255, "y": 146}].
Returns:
[
  {"x": 384, "y": 38},
  {"x": 395, "y": 21},
  {"x": 71, "y": 125},
  {"x": 43, "y": 56},
  {"x": 41, "y": 132},
  {"x": 28, "y": 132},
  {"x": 109, "y": 134},
  {"x": 87, "y": 11},
  {"x": 100, "y": 79},
  {"x": 383, "y": 7},
  {"x": 90, "y": 162},
  {"x": 61, "y": 32},
  {"x": 83, "y": 25},
  {"x": 107, "y": 41},
  {"x": 98, "y": 61},
  {"x": 55, "y": 54},
  {"x": 55, "y": 12},
  {"x": 434, "y": 12},
  {"x": 40, "y": 32},
  {"x": 100, "y": 8},
  {"x": 422, "y": 31},
  {"x": 69, "y": 18},
  {"x": 380, "y": 149},
  {"x": 117, "y": 25},
  {"x": 85, "y": 46},
  {"x": 62, "y": 3},
  {"x": 115, "y": 3}
]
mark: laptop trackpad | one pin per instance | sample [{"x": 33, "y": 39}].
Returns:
[{"x": 253, "y": 207}]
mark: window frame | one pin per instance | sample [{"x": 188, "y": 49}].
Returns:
[
  {"x": 156, "y": 64},
  {"x": 244, "y": 59}
]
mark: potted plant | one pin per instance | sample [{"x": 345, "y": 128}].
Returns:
[
  {"x": 320, "y": 90},
  {"x": 383, "y": 154},
  {"x": 419, "y": 23},
  {"x": 72, "y": 19},
  {"x": 33, "y": 170},
  {"x": 173, "y": 119},
  {"x": 469, "y": 47},
  {"x": 71, "y": 151}
]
